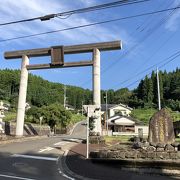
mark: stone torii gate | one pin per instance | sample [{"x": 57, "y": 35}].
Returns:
[{"x": 57, "y": 61}]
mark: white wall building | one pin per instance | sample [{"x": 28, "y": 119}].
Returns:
[
  {"x": 124, "y": 125},
  {"x": 120, "y": 108},
  {"x": 114, "y": 109},
  {"x": 120, "y": 122}
]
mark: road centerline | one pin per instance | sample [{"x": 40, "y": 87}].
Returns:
[
  {"x": 15, "y": 177},
  {"x": 35, "y": 157}
]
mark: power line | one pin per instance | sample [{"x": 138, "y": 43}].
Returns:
[
  {"x": 78, "y": 11},
  {"x": 159, "y": 68},
  {"x": 137, "y": 74},
  {"x": 171, "y": 57},
  {"x": 152, "y": 18},
  {"x": 155, "y": 27},
  {"x": 147, "y": 35},
  {"x": 90, "y": 24},
  {"x": 161, "y": 22}
]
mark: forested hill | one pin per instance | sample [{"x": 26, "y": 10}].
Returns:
[
  {"x": 42, "y": 92},
  {"x": 146, "y": 92}
]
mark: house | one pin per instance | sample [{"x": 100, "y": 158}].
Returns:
[
  {"x": 126, "y": 125},
  {"x": 69, "y": 107},
  {"x": 120, "y": 122},
  {"x": 114, "y": 109}
]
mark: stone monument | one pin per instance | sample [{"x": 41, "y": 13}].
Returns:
[{"x": 161, "y": 128}]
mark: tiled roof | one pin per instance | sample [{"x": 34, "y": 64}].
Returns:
[
  {"x": 137, "y": 122},
  {"x": 109, "y": 106}
]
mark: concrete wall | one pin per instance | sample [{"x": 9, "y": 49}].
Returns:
[
  {"x": 127, "y": 134},
  {"x": 145, "y": 129},
  {"x": 135, "y": 133},
  {"x": 29, "y": 129}
]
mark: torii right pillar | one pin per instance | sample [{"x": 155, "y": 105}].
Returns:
[{"x": 97, "y": 88}]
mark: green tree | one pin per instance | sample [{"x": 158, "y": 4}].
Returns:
[{"x": 54, "y": 114}]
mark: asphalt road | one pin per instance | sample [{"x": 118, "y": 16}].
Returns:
[{"x": 36, "y": 159}]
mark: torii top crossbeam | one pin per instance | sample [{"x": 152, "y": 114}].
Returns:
[
  {"x": 57, "y": 52},
  {"x": 82, "y": 48}
]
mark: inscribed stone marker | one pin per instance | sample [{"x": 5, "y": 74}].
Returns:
[{"x": 161, "y": 128}]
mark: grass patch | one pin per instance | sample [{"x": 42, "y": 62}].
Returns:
[
  {"x": 110, "y": 139},
  {"x": 9, "y": 116},
  {"x": 145, "y": 114},
  {"x": 175, "y": 115},
  {"x": 76, "y": 118},
  {"x": 177, "y": 140}
]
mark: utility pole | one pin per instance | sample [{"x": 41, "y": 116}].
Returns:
[
  {"x": 64, "y": 96},
  {"x": 106, "y": 114},
  {"x": 82, "y": 109},
  {"x": 40, "y": 123},
  {"x": 158, "y": 88},
  {"x": 87, "y": 135}
]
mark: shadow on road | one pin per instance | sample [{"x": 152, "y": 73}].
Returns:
[
  {"x": 30, "y": 168},
  {"x": 77, "y": 163}
]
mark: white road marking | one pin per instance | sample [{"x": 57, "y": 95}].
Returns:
[
  {"x": 73, "y": 139},
  {"x": 62, "y": 174},
  {"x": 61, "y": 143},
  {"x": 35, "y": 157},
  {"x": 45, "y": 149},
  {"x": 15, "y": 177}
]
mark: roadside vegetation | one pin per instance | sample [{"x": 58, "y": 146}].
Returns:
[
  {"x": 116, "y": 139},
  {"x": 46, "y": 98},
  {"x": 53, "y": 115},
  {"x": 10, "y": 116},
  {"x": 145, "y": 114}
]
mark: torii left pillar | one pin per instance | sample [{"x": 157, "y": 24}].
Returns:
[
  {"x": 97, "y": 88},
  {"x": 22, "y": 96}
]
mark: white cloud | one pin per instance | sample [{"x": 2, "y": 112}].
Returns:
[
  {"x": 174, "y": 21},
  {"x": 59, "y": 71},
  {"x": 11, "y": 11},
  {"x": 88, "y": 2}
]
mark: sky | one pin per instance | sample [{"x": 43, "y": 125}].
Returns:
[{"x": 147, "y": 41}]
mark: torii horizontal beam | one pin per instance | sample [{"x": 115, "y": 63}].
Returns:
[
  {"x": 74, "y": 49},
  {"x": 65, "y": 65}
]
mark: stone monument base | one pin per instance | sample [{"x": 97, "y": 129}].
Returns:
[{"x": 148, "y": 158}]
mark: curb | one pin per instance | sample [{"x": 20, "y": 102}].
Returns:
[
  {"x": 22, "y": 139},
  {"x": 141, "y": 167},
  {"x": 140, "y": 171},
  {"x": 146, "y": 171},
  {"x": 66, "y": 170}
]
